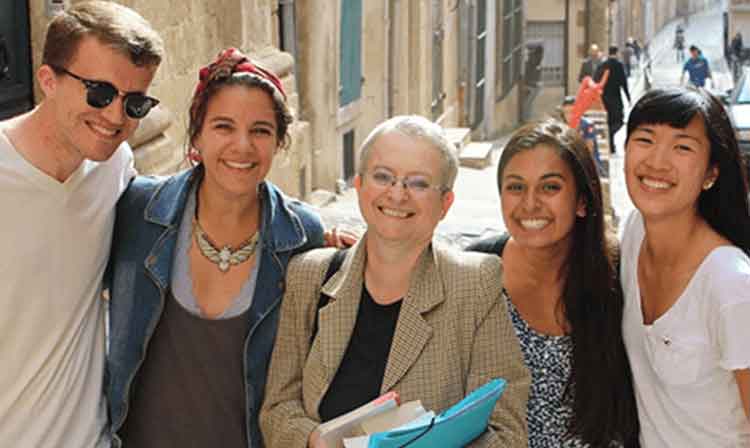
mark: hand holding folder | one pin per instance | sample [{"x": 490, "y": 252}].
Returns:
[{"x": 455, "y": 427}]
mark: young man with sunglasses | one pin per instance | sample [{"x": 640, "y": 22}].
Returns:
[{"x": 62, "y": 168}]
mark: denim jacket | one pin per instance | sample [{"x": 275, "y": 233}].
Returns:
[{"x": 146, "y": 229}]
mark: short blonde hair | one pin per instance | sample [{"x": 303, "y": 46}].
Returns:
[
  {"x": 418, "y": 127},
  {"x": 116, "y": 26}
]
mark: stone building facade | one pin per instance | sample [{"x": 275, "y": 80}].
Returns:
[
  {"x": 346, "y": 64},
  {"x": 412, "y": 57},
  {"x": 567, "y": 28}
]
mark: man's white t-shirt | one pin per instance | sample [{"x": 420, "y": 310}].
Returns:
[
  {"x": 54, "y": 244},
  {"x": 682, "y": 363}
]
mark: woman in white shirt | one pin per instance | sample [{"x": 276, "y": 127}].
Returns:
[{"x": 685, "y": 272}]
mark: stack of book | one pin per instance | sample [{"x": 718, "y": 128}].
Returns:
[{"x": 385, "y": 423}]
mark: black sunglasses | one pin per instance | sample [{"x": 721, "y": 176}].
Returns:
[{"x": 100, "y": 94}]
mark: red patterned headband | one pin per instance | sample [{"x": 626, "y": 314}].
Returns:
[{"x": 232, "y": 61}]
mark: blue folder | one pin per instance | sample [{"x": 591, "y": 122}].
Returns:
[{"x": 455, "y": 427}]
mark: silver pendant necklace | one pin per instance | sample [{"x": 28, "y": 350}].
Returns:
[{"x": 225, "y": 257}]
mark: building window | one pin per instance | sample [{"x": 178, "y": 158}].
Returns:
[
  {"x": 510, "y": 40},
  {"x": 350, "y": 64}
]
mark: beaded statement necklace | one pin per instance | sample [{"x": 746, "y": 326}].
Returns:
[{"x": 225, "y": 257}]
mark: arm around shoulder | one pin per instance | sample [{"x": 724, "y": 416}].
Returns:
[
  {"x": 311, "y": 223},
  {"x": 496, "y": 353}
]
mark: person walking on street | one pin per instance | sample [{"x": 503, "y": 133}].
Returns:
[
  {"x": 612, "y": 96},
  {"x": 63, "y": 166},
  {"x": 737, "y": 45},
  {"x": 735, "y": 55},
  {"x": 627, "y": 56},
  {"x": 637, "y": 50},
  {"x": 591, "y": 63},
  {"x": 696, "y": 67},
  {"x": 679, "y": 44}
]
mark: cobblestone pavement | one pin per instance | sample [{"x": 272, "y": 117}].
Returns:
[{"x": 476, "y": 210}]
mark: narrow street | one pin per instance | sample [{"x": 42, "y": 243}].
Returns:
[
  {"x": 703, "y": 30},
  {"x": 476, "y": 210}
]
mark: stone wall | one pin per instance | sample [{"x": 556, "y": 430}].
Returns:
[{"x": 599, "y": 23}]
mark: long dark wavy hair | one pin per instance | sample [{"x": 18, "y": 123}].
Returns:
[
  {"x": 725, "y": 205},
  {"x": 600, "y": 388}
]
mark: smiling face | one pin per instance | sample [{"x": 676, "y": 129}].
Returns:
[
  {"x": 393, "y": 213},
  {"x": 539, "y": 198},
  {"x": 666, "y": 168},
  {"x": 237, "y": 141},
  {"x": 82, "y": 131}
]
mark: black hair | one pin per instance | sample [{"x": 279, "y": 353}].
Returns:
[
  {"x": 600, "y": 388},
  {"x": 612, "y": 50},
  {"x": 725, "y": 205}
]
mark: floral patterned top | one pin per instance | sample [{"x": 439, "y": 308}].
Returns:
[{"x": 549, "y": 359}]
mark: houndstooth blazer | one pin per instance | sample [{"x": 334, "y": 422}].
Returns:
[{"x": 453, "y": 334}]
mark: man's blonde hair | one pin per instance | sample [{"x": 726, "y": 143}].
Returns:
[{"x": 114, "y": 25}]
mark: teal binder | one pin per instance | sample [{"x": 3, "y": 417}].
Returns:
[{"x": 454, "y": 428}]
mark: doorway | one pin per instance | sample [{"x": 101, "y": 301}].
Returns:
[{"x": 16, "y": 87}]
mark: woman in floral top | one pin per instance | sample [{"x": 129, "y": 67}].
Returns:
[{"x": 562, "y": 291}]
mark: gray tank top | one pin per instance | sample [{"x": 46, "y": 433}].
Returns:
[{"x": 190, "y": 389}]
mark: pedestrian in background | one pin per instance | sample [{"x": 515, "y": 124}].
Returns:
[
  {"x": 735, "y": 51},
  {"x": 737, "y": 46},
  {"x": 591, "y": 63},
  {"x": 679, "y": 44},
  {"x": 637, "y": 50},
  {"x": 405, "y": 314},
  {"x": 62, "y": 168},
  {"x": 612, "y": 95},
  {"x": 585, "y": 127},
  {"x": 696, "y": 67},
  {"x": 685, "y": 272},
  {"x": 627, "y": 57},
  {"x": 562, "y": 292},
  {"x": 198, "y": 265}
]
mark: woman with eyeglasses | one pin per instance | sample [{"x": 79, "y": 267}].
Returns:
[
  {"x": 401, "y": 313},
  {"x": 197, "y": 271},
  {"x": 561, "y": 290},
  {"x": 685, "y": 272}
]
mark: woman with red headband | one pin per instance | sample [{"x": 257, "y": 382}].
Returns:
[{"x": 197, "y": 271}]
